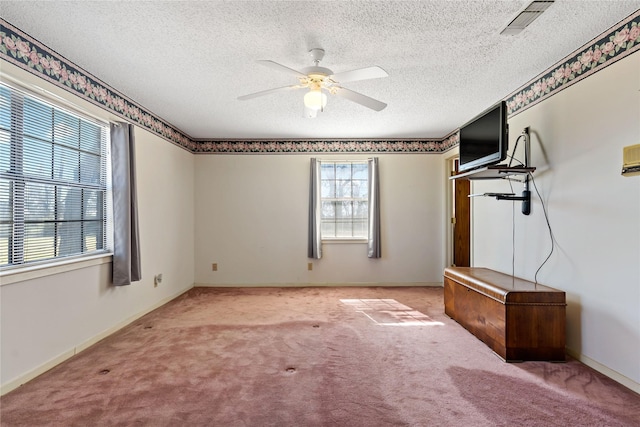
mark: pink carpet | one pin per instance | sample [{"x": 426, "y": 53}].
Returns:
[{"x": 311, "y": 357}]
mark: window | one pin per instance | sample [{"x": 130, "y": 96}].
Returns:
[
  {"x": 344, "y": 196},
  {"x": 52, "y": 181}
]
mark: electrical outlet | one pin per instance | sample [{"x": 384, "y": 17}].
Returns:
[
  {"x": 310, "y": 266},
  {"x": 157, "y": 279},
  {"x": 214, "y": 266}
]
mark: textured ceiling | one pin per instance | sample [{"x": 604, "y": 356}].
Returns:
[{"x": 188, "y": 61}]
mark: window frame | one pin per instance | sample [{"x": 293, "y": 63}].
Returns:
[
  {"x": 346, "y": 239},
  {"x": 12, "y": 271}
]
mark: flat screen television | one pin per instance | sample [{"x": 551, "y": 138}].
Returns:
[{"x": 484, "y": 140}]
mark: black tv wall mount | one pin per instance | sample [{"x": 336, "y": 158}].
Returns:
[{"x": 504, "y": 172}]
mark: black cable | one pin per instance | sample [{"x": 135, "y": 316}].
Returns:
[
  {"x": 511, "y": 158},
  {"x": 546, "y": 217},
  {"x": 513, "y": 234}
]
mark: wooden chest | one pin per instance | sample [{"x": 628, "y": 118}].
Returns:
[{"x": 518, "y": 319}]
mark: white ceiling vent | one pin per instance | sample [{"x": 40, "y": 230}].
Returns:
[{"x": 527, "y": 16}]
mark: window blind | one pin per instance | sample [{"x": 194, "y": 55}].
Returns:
[{"x": 53, "y": 175}]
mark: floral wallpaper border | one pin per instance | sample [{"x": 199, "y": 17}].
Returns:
[
  {"x": 318, "y": 146},
  {"x": 327, "y": 146},
  {"x": 618, "y": 42},
  {"x": 27, "y": 53}
]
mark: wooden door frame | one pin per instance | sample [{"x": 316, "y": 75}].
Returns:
[{"x": 450, "y": 214}]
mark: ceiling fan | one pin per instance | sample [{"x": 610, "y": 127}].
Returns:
[{"x": 319, "y": 80}]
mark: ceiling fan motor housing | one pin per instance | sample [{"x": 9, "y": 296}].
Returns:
[
  {"x": 316, "y": 70},
  {"x": 317, "y": 77}
]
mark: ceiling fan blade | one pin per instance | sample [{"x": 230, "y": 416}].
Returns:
[
  {"x": 280, "y": 67},
  {"x": 359, "y": 98},
  {"x": 267, "y": 92},
  {"x": 374, "y": 72}
]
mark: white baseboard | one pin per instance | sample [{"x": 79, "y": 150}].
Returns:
[
  {"x": 39, "y": 370},
  {"x": 614, "y": 375},
  {"x": 310, "y": 285}
]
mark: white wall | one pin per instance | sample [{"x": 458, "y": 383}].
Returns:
[
  {"x": 577, "y": 141},
  {"x": 45, "y": 320},
  {"x": 252, "y": 212}
]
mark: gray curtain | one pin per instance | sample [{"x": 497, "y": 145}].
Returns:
[
  {"x": 126, "y": 242},
  {"x": 314, "y": 249},
  {"x": 373, "y": 245}
]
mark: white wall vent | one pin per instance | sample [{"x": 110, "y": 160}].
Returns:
[{"x": 527, "y": 16}]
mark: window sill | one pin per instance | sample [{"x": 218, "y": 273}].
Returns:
[
  {"x": 343, "y": 241},
  {"x": 21, "y": 274}
]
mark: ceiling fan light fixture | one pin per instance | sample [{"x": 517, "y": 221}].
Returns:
[
  {"x": 321, "y": 81},
  {"x": 315, "y": 99}
]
